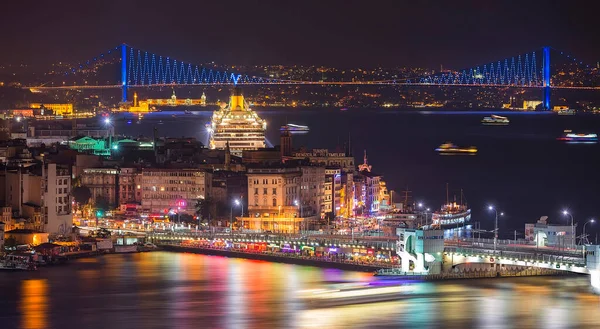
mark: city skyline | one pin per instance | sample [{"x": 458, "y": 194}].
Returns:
[{"x": 344, "y": 34}]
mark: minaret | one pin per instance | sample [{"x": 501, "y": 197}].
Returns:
[
  {"x": 203, "y": 99},
  {"x": 135, "y": 101}
]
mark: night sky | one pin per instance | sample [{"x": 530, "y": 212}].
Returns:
[{"x": 456, "y": 34}]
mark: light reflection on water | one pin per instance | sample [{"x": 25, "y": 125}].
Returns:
[{"x": 170, "y": 290}]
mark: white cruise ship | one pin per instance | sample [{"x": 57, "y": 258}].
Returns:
[{"x": 237, "y": 124}]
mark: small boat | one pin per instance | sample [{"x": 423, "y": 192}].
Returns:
[
  {"x": 187, "y": 112},
  {"x": 18, "y": 262},
  {"x": 344, "y": 109},
  {"x": 566, "y": 112},
  {"x": 569, "y": 136},
  {"x": 495, "y": 120},
  {"x": 449, "y": 148}
]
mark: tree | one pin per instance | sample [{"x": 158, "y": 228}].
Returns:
[
  {"x": 10, "y": 242},
  {"x": 81, "y": 194},
  {"x": 205, "y": 209},
  {"x": 102, "y": 203}
]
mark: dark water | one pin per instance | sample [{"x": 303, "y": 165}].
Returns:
[
  {"x": 520, "y": 168},
  {"x": 170, "y": 290}
]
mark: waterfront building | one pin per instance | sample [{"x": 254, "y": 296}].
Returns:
[
  {"x": 237, "y": 124},
  {"x": 324, "y": 157},
  {"x": 103, "y": 183},
  {"x": 274, "y": 199},
  {"x": 117, "y": 186},
  {"x": 41, "y": 196},
  {"x": 228, "y": 186},
  {"x": 331, "y": 193},
  {"x": 57, "y": 109},
  {"x": 174, "y": 101},
  {"x": 130, "y": 186},
  {"x": 338, "y": 200},
  {"x": 139, "y": 106},
  {"x": 59, "y": 133},
  {"x": 86, "y": 144},
  {"x": 368, "y": 188},
  {"x": 544, "y": 234},
  {"x": 26, "y": 236},
  {"x": 175, "y": 190},
  {"x": 312, "y": 188},
  {"x": 1, "y": 235}
]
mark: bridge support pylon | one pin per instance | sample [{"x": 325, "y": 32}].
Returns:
[
  {"x": 124, "y": 85},
  {"x": 592, "y": 261},
  {"x": 546, "y": 76}
]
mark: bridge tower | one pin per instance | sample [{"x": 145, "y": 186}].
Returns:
[
  {"x": 546, "y": 77},
  {"x": 124, "y": 84}
]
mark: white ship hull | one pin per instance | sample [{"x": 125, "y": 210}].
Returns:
[{"x": 451, "y": 220}]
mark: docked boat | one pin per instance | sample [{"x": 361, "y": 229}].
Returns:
[
  {"x": 495, "y": 120},
  {"x": 18, "y": 262},
  {"x": 449, "y": 148},
  {"x": 451, "y": 214},
  {"x": 569, "y": 136}
]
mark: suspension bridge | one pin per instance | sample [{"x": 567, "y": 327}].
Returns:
[{"x": 142, "y": 69}]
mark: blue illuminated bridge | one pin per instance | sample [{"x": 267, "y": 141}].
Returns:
[{"x": 138, "y": 69}]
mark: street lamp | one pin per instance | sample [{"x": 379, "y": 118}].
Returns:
[
  {"x": 420, "y": 205},
  {"x": 585, "y": 236},
  {"x": 235, "y": 203},
  {"x": 566, "y": 213},
  {"x": 495, "y": 226},
  {"x": 108, "y": 123}
]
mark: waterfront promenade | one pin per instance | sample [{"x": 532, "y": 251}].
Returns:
[{"x": 290, "y": 258}]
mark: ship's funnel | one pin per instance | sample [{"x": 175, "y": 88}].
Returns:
[{"x": 237, "y": 100}]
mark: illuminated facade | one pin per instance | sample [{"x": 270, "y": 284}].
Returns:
[
  {"x": 173, "y": 189},
  {"x": 531, "y": 105},
  {"x": 139, "y": 106},
  {"x": 237, "y": 124},
  {"x": 174, "y": 101},
  {"x": 276, "y": 201},
  {"x": 57, "y": 109}
]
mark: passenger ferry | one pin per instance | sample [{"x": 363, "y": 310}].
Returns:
[
  {"x": 295, "y": 129},
  {"x": 569, "y": 136},
  {"x": 495, "y": 120},
  {"x": 449, "y": 148},
  {"x": 451, "y": 214}
]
